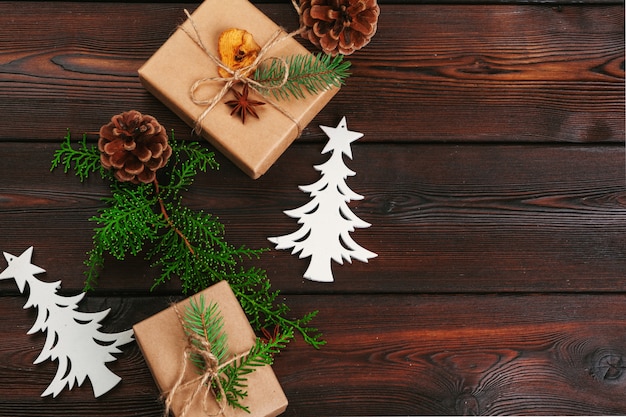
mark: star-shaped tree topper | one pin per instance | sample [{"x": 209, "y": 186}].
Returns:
[
  {"x": 20, "y": 267},
  {"x": 340, "y": 138}
]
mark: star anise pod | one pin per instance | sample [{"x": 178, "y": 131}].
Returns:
[{"x": 243, "y": 104}]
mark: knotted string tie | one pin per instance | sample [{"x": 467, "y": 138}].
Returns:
[
  {"x": 238, "y": 75},
  {"x": 209, "y": 377}
]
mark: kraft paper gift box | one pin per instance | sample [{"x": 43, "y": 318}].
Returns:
[
  {"x": 162, "y": 341},
  {"x": 170, "y": 73}
]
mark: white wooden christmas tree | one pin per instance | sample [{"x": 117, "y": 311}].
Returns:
[
  {"x": 72, "y": 336},
  {"x": 326, "y": 219}
]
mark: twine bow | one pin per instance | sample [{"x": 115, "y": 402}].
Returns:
[
  {"x": 209, "y": 377},
  {"x": 238, "y": 75}
]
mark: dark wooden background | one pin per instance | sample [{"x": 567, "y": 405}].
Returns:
[{"x": 493, "y": 170}]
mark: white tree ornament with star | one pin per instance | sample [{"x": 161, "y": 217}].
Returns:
[
  {"x": 73, "y": 338},
  {"x": 326, "y": 219}
]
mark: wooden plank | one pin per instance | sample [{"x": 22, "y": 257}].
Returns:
[
  {"x": 494, "y": 177},
  {"x": 441, "y": 72},
  {"x": 386, "y": 355},
  {"x": 461, "y": 355},
  {"x": 380, "y": 2},
  {"x": 444, "y": 218}
]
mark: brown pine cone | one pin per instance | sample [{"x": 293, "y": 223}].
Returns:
[
  {"x": 134, "y": 146},
  {"x": 339, "y": 26}
]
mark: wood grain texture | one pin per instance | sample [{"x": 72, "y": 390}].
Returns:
[
  {"x": 445, "y": 218},
  {"x": 494, "y": 174},
  {"x": 437, "y": 355},
  {"x": 467, "y": 355},
  {"x": 554, "y": 3},
  {"x": 442, "y": 73}
]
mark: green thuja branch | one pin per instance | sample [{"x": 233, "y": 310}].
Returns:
[
  {"x": 207, "y": 324},
  {"x": 193, "y": 249},
  {"x": 84, "y": 160},
  {"x": 180, "y": 242},
  {"x": 127, "y": 207},
  {"x": 262, "y": 308},
  {"x": 307, "y": 73}
]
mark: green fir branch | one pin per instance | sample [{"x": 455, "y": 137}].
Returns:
[
  {"x": 307, "y": 73},
  {"x": 181, "y": 243},
  {"x": 206, "y": 322},
  {"x": 233, "y": 377}
]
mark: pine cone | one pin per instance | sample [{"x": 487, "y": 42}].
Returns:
[
  {"x": 339, "y": 26},
  {"x": 134, "y": 146}
]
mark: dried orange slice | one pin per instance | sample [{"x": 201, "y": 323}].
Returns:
[{"x": 237, "y": 49}]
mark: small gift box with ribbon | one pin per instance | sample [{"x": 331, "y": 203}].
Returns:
[
  {"x": 190, "y": 391},
  {"x": 214, "y": 90}
]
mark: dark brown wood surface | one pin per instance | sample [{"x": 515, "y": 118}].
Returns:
[{"x": 493, "y": 167}]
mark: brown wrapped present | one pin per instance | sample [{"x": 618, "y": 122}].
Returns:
[
  {"x": 170, "y": 75},
  {"x": 163, "y": 342}
]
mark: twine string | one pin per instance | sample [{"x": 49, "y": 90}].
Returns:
[
  {"x": 209, "y": 378},
  {"x": 239, "y": 75}
]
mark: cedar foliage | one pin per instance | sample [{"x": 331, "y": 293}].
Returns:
[{"x": 182, "y": 243}]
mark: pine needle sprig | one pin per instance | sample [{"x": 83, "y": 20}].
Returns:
[
  {"x": 206, "y": 322},
  {"x": 233, "y": 376},
  {"x": 83, "y": 161},
  {"x": 307, "y": 73}
]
